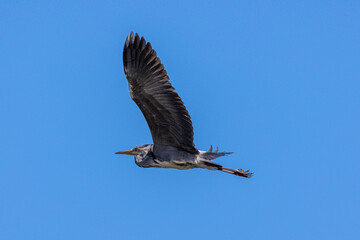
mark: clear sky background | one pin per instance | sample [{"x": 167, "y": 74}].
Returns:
[{"x": 276, "y": 82}]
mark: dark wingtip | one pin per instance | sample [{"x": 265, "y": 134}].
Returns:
[
  {"x": 134, "y": 39},
  {"x": 127, "y": 42}
]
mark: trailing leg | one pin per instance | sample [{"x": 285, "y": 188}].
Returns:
[
  {"x": 238, "y": 172},
  {"x": 215, "y": 166}
]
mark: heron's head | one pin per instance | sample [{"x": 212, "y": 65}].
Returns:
[{"x": 139, "y": 150}]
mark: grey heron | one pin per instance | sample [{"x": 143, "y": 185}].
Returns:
[{"x": 165, "y": 113}]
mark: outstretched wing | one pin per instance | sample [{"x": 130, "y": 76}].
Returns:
[{"x": 169, "y": 121}]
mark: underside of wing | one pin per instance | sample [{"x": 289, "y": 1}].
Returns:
[{"x": 149, "y": 87}]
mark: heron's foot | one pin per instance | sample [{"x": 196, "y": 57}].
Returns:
[{"x": 243, "y": 173}]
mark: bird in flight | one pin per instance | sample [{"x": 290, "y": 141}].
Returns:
[{"x": 165, "y": 113}]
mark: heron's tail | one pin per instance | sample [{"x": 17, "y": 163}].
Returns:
[{"x": 211, "y": 155}]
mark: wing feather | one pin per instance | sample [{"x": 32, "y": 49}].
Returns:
[{"x": 169, "y": 121}]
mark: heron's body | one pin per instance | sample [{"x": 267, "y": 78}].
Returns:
[
  {"x": 170, "y": 157},
  {"x": 169, "y": 121}
]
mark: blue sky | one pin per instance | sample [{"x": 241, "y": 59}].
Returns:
[{"x": 276, "y": 82}]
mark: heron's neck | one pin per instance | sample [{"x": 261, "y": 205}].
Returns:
[{"x": 145, "y": 159}]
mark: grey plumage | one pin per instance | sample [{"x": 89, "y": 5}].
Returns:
[{"x": 165, "y": 113}]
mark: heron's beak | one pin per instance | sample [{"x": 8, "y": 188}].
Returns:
[{"x": 127, "y": 152}]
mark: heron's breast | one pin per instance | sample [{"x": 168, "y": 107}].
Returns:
[{"x": 177, "y": 164}]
